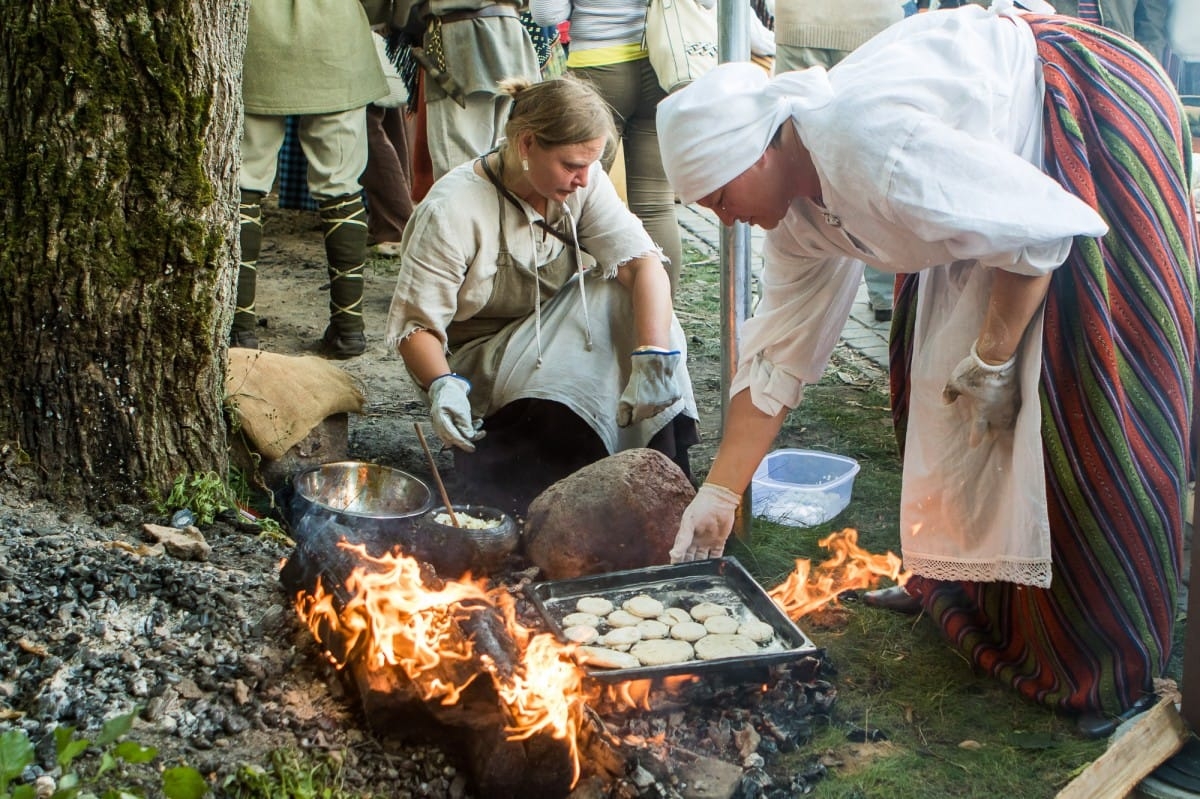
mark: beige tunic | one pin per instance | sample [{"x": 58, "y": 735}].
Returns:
[
  {"x": 309, "y": 57},
  {"x": 465, "y": 276}
]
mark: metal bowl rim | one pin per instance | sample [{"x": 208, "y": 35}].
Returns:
[{"x": 424, "y": 507}]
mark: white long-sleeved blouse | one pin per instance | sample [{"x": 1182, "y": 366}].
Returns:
[{"x": 929, "y": 158}]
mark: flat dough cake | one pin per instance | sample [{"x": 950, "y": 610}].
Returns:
[
  {"x": 662, "y": 652},
  {"x": 622, "y": 618},
  {"x": 602, "y": 658},
  {"x": 721, "y": 625},
  {"x": 688, "y": 631},
  {"x": 706, "y": 610},
  {"x": 643, "y": 606},
  {"x": 713, "y": 647},
  {"x": 584, "y": 619},
  {"x": 596, "y": 605}
]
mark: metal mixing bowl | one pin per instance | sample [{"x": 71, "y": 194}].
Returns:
[{"x": 361, "y": 493}]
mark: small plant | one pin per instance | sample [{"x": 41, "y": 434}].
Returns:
[
  {"x": 289, "y": 774},
  {"x": 112, "y": 774},
  {"x": 205, "y": 495}
]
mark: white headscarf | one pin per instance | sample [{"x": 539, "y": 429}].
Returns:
[{"x": 718, "y": 126}]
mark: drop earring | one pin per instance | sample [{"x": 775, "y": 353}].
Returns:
[{"x": 524, "y": 164}]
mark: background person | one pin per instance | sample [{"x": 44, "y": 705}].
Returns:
[
  {"x": 337, "y": 75},
  {"x": 820, "y": 33},
  {"x": 562, "y": 355},
  {"x": 607, "y": 51},
  {"x": 1043, "y": 354}
]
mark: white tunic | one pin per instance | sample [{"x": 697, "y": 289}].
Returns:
[{"x": 929, "y": 159}]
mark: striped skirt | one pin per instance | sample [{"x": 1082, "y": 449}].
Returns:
[{"x": 1118, "y": 371}]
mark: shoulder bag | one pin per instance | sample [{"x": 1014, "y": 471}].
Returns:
[{"x": 681, "y": 37}]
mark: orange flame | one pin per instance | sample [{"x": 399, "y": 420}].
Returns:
[
  {"x": 850, "y": 567},
  {"x": 395, "y": 621}
]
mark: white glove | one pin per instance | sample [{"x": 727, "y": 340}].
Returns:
[
  {"x": 705, "y": 524},
  {"x": 450, "y": 412},
  {"x": 652, "y": 387},
  {"x": 991, "y": 392}
]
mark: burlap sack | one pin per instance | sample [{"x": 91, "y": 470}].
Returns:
[{"x": 278, "y": 399}]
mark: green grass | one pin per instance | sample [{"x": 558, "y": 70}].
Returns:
[{"x": 949, "y": 731}]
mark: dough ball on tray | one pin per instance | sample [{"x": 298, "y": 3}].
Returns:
[
  {"x": 622, "y": 618},
  {"x": 643, "y": 606},
  {"x": 584, "y": 619},
  {"x": 581, "y": 634},
  {"x": 714, "y": 647},
  {"x": 721, "y": 625},
  {"x": 706, "y": 610},
  {"x": 601, "y": 658},
  {"x": 652, "y": 628},
  {"x": 621, "y": 637},
  {"x": 757, "y": 631},
  {"x": 688, "y": 631},
  {"x": 596, "y": 605},
  {"x": 662, "y": 652},
  {"x": 673, "y": 616}
]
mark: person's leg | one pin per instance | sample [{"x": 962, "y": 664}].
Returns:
[
  {"x": 262, "y": 137},
  {"x": 336, "y": 147},
  {"x": 457, "y": 135},
  {"x": 385, "y": 180},
  {"x": 651, "y": 197},
  {"x": 632, "y": 90},
  {"x": 879, "y": 293}
]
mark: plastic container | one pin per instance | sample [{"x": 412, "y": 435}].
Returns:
[{"x": 802, "y": 487}]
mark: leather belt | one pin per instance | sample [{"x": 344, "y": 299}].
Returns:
[{"x": 500, "y": 10}]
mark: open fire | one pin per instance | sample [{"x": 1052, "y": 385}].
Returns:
[{"x": 443, "y": 638}]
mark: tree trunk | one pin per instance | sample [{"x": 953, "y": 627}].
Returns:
[{"x": 118, "y": 236}]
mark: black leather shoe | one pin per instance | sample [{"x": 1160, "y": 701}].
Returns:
[
  {"x": 895, "y": 599},
  {"x": 341, "y": 345},
  {"x": 883, "y": 314},
  {"x": 1101, "y": 725},
  {"x": 245, "y": 339}
]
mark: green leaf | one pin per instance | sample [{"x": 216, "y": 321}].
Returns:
[
  {"x": 24, "y": 792},
  {"x": 16, "y": 752},
  {"x": 133, "y": 752},
  {"x": 107, "y": 763},
  {"x": 114, "y": 728},
  {"x": 184, "y": 782},
  {"x": 68, "y": 746}
]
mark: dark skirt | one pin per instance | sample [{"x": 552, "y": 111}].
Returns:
[
  {"x": 1117, "y": 381},
  {"x": 533, "y": 443}
]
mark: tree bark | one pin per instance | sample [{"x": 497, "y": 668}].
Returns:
[{"x": 118, "y": 236}]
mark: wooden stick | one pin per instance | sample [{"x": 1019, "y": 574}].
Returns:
[
  {"x": 1151, "y": 740},
  {"x": 437, "y": 477}
]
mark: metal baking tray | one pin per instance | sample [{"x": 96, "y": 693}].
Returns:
[{"x": 721, "y": 580}]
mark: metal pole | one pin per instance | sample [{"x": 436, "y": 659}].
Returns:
[{"x": 733, "y": 44}]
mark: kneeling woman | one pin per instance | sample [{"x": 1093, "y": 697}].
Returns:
[{"x": 532, "y": 307}]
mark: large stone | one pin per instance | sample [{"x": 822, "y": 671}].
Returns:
[{"x": 621, "y": 512}]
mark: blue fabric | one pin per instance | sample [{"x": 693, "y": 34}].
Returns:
[{"x": 293, "y": 171}]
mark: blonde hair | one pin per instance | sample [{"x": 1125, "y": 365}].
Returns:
[{"x": 558, "y": 111}]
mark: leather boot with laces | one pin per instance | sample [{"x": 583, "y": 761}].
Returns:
[{"x": 340, "y": 345}]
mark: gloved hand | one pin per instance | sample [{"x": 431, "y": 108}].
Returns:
[
  {"x": 991, "y": 391},
  {"x": 450, "y": 412},
  {"x": 652, "y": 387},
  {"x": 705, "y": 524}
]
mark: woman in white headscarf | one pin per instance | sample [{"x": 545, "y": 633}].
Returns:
[{"x": 1025, "y": 175}]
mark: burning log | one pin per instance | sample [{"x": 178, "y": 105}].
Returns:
[{"x": 448, "y": 661}]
